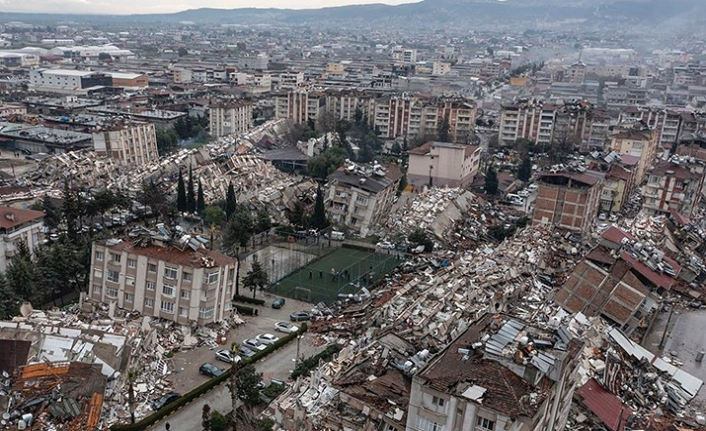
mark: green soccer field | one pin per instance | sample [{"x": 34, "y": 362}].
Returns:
[{"x": 315, "y": 282}]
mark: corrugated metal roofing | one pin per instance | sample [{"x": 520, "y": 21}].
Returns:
[{"x": 606, "y": 406}]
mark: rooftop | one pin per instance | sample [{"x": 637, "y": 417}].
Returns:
[
  {"x": 371, "y": 178},
  {"x": 171, "y": 253},
  {"x": 13, "y": 217}
]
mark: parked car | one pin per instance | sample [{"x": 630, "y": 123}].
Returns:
[
  {"x": 267, "y": 339},
  {"x": 164, "y": 400},
  {"x": 254, "y": 344},
  {"x": 210, "y": 370},
  {"x": 246, "y": 352},
  {"x": 227, "y": 356},
  {"x": 385, "y": 245},
  {"x": 278, "y": 303},
  {"x": 533, "y": 187},
  {"x": 602, "y": 217},
  {"x": 286, "y": 327},
  {"x": 523, "y": 193},
  {"x": 336, "y": 236},
  {"x": 299, "y": 316}
]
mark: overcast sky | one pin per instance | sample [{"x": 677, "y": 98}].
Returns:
[{"x": 159, "y": 6}]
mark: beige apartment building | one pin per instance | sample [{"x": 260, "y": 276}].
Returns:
[
  {"x": 129, "y": 143},
  {"x": 169, "y": 280},
  {"x": 452, "y": 165},
  {"x": 638, "y": 141},
  {"x": 18, "y": 225},
  {"x": 228, "y": 118}
]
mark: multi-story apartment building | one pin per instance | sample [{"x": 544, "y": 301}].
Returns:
[
  {"x": 635, "y": 139},
  {"x": 443, "y": 164},
  {"x": 362, "y": 196},
  {"x": 129, "y": 143},
  {"x": 500, "y": 374},
  {"x": 673, "y": 185},
  {"x": 665, "y": 122},
  {"x": 401, "y": 115},
  {"x": 542, "y": 123},
  {"x": 619, "y": 182},
  {"x": 17, "y": 225},
  {"x": 568, "y": 200},
  {"x": 231, "y": 117},
  {"x": 182, "y": 282}
]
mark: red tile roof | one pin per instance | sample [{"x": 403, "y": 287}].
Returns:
[
  {"x": 662, "y": 280},
  {"x": 609, "y": 409},
  {"x": 13, "y": 217},
  {"x": 616, "y": 235}
]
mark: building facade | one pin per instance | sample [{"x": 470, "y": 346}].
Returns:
[
  {"x": 636, "y": 140},
  {"x": 163, "y": 279},
  {"x": 484, "y": 381},
  {"x": 443, "y": 164},
  {"x": 230, "y": 118},
  {"x": 360, "y": 197},
  {"x": 671, "y": 186},
  {"x": 129, "y": 144},
  {"x": 568, "y": 200},
  {"x": 17, "y": 225}
]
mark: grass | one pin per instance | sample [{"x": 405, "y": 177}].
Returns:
[{"x": 315, "y": 283}]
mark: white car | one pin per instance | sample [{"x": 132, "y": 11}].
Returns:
[
  {"x": 285, "y": 327},
  {"x": 267, "y": 339},
  {"x": 254, "y": 344},
  {"x": 523, "y": 193},
  {"x": 533, "y": 187},
  {"x": 386, "y": 245},
  {"x": 227, "y": 356}
]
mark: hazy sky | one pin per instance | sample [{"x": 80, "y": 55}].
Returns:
[{"x": 158, "y": 6}]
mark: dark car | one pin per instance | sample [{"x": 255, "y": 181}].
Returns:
[
  {"x": 248, "y": 353},
  {"x": 164, "y": 400},
  {"x": 278, "y": 303},
  {"x": 210, "y": 370},
  {"x": 299, "y": 316}
]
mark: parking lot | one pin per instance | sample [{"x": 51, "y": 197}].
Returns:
[{"x": 187, "y": 364}]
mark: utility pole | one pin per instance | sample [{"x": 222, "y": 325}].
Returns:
[{"x": 666, "y": 328}]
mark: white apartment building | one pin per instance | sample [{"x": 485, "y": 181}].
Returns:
[
  {"x": 163, "y": 279},
  {"x": 228, "y": 118},
  {"x": 18, "y": 225},
  {"x": 362, "y": 196},
  {"x": 129, "y": 144},
  {"x": 447, "y": 164}
]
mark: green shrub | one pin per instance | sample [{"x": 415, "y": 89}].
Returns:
[
  {"x": 218, "y": 421},
  {"x": 308, "y": 364},
  {"x": 247, "y": 311},
  {"x": 248, "y": 300}
]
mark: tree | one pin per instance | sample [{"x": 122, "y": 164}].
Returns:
[
  {"x": 525, "y": 170},
  {"x": 396, "y": 148},
  {"x": 491, "y": 181},
  {"x": 213, "y": 215},
  {"x": 105, "y": 57},
  {"x": 326, "y": 162},
  {"x": 256, "y": 277},
  {"x": 167, "y": 141},
  {"x": 23, "y": 277},
  {"x": 403, "y": 183},
  {"x": 218, "y": 421},
  {"x": 419, "y": 237},
  {"x": 190, "y": 193},
  {"x": 152, "y": 196},
  {"x": 200, "y": 203},
  {"x": 296, "y": 216},
  {"x": 231, "y": 203},
  {"x": 206, "y": 417},
  {"x": 248, "y": 379},
  {"x": 264, "y": 223},
  {"x": 444, "y": 130},
  {"x": 182, "y": 51},
  {"x": 9, "y": 301},
  {"x": 239, "y": 229},
  {"x": 181, "y": 193},
  {"x": 71, "y": 209},
  {"x": 318, "y": 218},
  {"x": 52, "y": 214}
]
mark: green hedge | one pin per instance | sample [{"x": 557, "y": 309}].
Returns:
[
  {"x": 248, "y": 300},
  {"x": 207, "y": 386},
  {"x": 308, "y": 364},
  {"x": 247, "y": 311}
]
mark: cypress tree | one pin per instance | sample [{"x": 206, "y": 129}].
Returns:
[
  {"x": 181, "y": 193},
  {"x": 231, "y": 203},
  {"x": 200, "y": 203},
  {"x": 190, "y": 193}
]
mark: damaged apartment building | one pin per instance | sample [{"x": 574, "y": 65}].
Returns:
[{"x": 165, "y": 275}]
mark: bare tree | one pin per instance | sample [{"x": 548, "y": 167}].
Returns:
[{"x": 206, "y": 417}]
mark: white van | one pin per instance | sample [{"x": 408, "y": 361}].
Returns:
[{"x": 338, "y": 236}]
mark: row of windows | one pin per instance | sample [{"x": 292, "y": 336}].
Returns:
[
  {"x": 169, "y": 272},
  {"x": 482, "y": 424}
]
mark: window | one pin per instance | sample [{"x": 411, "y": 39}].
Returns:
[
  {"x": 98, "y": 273},
  {"x": 637, "y": 145},
  {"x": 485, "y": 424},
  {"x": 97, "y": 289},
  {"x": 149, "y": 302},
  {"x": 151, "y": 267},
  {"x": 424, "y": 424},
  {"x": 100, "y": 255},
  {"x": 113, "y": 276},
  {"x": 129, "y": 297},
  {"x": 115, "y": 257},
  {"x": 183, "y": 312},
  {"x": 212, "y": 278},
  {"x": 132, "y": 263},
  {"x": 150, "y": 285},
  {"x": 168, "y": 290},
  {"x": 111, "y": 292},
  {"x": 170, "y": 273},
  {"x": 439, "y": 402},
  {"x": 129, "y": 281},
  {"x": 186, "y": 276},
  {"x": 206, "y": 313},
  {"x": 361, "y": 200},
  {"x": 168, "y": 307},
  {"x": 184, "y": 294}
]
